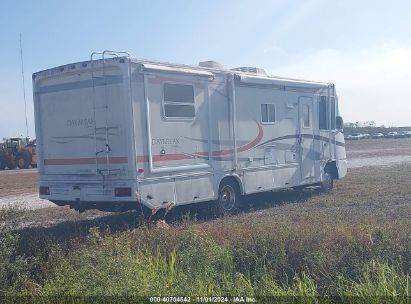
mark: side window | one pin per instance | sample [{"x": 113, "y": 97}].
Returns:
[
  {"x": 267, "y": 113},
  {"x": 178, "y": 101},
  {"x": 332, "y": 105},
  {"x": 306, "y": 116},
  {"x": 322, "y": 113}
]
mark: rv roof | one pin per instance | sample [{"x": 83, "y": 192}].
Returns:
[{"x": 244, "y": 77}]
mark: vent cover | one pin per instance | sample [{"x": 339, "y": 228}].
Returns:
[
  {"x": 252, "y": 70},
  {"x": 211, "y": 64}
]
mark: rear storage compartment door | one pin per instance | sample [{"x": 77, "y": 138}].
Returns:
[{"x": 83, "y": 122}]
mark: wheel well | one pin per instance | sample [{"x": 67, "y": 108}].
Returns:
[
  {"x": 233, "y": 179},
  {"x": 331, "y": 167}
]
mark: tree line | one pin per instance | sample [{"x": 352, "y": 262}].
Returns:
[{"x": 370, "y": 127}]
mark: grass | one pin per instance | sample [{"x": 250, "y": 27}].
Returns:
[{"x": 353, "y": 245}]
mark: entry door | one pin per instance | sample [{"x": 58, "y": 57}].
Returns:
[{"x": 306, "y": 139}]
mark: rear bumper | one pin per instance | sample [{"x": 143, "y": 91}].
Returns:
[{"x": 92, "y": 192}]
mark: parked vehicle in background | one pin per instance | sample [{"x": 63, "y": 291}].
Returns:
[
  {"x": 17, "y": 151},
  {"x": 355, "y": 136},
  {"x": 404, "y": 134},
  {"x": 366, "y": 136},
  {"x": 377, "y": 135},
  {"x": 392, "y": 135}
]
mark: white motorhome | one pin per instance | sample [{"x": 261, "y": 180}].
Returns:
[{"x": 116, "y": 131}]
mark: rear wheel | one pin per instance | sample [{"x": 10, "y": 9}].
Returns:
[
  {"x": 11, "y": 164},
  {"x": 23, "y": 160},
  {"x": 228, "y": 197}
]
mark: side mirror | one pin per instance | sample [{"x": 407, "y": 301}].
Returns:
[{"x": 339, "y": 122}]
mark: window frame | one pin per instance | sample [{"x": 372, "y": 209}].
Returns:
[
  {"x": 164, "y": 102},
  {"x": 275, "y": 114}
]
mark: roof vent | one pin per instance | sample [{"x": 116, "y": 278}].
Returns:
[
  {"x": 252, "y": 70},
  {"x": 211, "y": 64}
]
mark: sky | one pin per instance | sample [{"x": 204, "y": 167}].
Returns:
[{"x": 364, "y": 47}]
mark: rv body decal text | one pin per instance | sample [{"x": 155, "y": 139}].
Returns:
[
  {"x": 165, "y": 141},
  {"x": 80, "y": 122}
]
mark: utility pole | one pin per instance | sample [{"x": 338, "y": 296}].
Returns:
[{"x": 24, "y": 87}]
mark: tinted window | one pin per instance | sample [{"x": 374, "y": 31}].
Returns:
[
  {"x": 268, "y": 113},
  {"x": 332, "y": 105},
  {"x": 322, "y": 113},
  {"x": 306, "y": 116},
  {"x": 178, "y": 93},
  {"x": 178, "y": 111},
  {"x": 179, "y": 101}
]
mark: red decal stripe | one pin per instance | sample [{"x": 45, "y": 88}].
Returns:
[
  {"x": 171, "y": 157},
  {"x": 84, "y": 161},
  {"x": 246, "y": 147}
]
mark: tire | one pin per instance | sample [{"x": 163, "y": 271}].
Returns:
[
  {"x": 328, "y": 181},
  {"x": 229, "y": 198},
  {"x": 23, "y": 160},
  {"x": 11, "y": 164},
  {"x": 2, "y": 162}
]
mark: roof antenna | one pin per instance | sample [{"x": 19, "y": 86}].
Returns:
[{"x": 24, "y": 87}]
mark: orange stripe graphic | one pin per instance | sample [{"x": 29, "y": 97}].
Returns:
[{"x": 84, "y": 161}]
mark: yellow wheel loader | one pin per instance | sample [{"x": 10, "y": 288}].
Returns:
[{"x": 18, "y": 152}]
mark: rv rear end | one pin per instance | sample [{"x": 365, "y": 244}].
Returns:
[{"x": 84, "y": 130}]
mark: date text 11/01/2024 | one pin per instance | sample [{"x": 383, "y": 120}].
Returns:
[{"x": 238, "y": 299}]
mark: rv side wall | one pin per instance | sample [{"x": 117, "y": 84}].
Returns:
[{"x": 183, "y": 159}]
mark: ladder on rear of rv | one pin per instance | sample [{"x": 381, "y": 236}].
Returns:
[{"x": 103, "y": 167}]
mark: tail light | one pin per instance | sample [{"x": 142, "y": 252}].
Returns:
[
  {"x": 122, "y": 192},
  {"x": 44, "y": 190}
]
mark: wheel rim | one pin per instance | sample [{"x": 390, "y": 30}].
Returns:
[
  {"x": 227, "y": 198},
  {"x": 21, "y": 163}
]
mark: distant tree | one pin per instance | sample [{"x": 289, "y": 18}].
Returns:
[
  {"x": 349, "y": 125},
  {"x": 369, "y": 124}
]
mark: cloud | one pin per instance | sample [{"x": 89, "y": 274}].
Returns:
[{"x": 372, "y": 83}]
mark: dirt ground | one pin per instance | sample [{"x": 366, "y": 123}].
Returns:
[
  {"x": 18, "y": 182},
  {"x": 21, "y": 185},
  {"x": 378, "y": 147}
]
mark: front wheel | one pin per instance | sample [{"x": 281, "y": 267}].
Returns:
[
  {"x": 328, "y": 182},
  {"x": 2, "y": 162},
  {"x": 23, "y": 160},
  {"x": 228, "y": 197}
]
